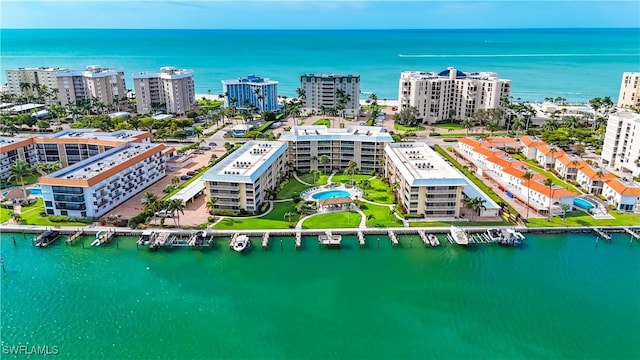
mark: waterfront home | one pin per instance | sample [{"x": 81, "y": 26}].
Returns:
[
  {"x": 623, "y": 194},
  {"x": 259, "y": 92}
]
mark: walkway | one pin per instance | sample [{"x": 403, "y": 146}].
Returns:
[{"x": 300, "y": 180}]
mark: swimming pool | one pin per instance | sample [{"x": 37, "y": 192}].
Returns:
[
  {"x": 330, "y": 194},
  {"x": 35, "y": 192},
  {"x": 581, "y": 203}
]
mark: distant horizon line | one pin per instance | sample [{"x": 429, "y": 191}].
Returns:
[{"x": 345, "y": 29}]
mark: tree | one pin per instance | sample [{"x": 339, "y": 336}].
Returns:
[
  {"x": 467, "y": 124},
  {"x": 516, "y": 125},
  {"x": 176, "y": 207},
  {"x": 45, "y": 168},
  {"x": 394, "y": 188},
  {"x": 565, "y": 207},
  {"x": 548, "y": 182},
  {"x": 365, "y": 185},
  {"x": 316, "y": 174},
  {"x": 407, "y": 116},
  {"x": 528, "y": 176},
  {"x": 213, "y": 159},
  {"x": 492, "y": 126},
  {"x": 475, "y": 204},
  {"x": 17, "y": 172},
  {"x": 324, "y": 160},
  {"x": 175, "y": 180},
  {"x": 579, "y": 149},
  {"x": 288, "y": 216},
  {"x": 211, "y": 206},
  {"x": 351, "y": 170}
]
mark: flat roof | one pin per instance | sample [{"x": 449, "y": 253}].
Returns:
[
  {"x": 95, "y": 134},
  {"x": 422, "y": 166},
  {"x": 101, "y": 163},
  {"x": 246, "y": 164},
  {"x": 189, "y": 191},
  {"x": 350, "y": 133},
  {"x": 24, "y": 107}
]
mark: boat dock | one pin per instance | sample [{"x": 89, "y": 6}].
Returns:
[
  {"x": 75, "y": 236},
  {"x": 393, "y": 238},
  {"x": 46, "y": 238},
  {"x": 298, "y": 239},
  {"x": 361, "y": 238},
  {"x": 480, "y": 238},
  {"x": 163, "y": 239},
  {"x": 329, "y": 239},
  {"x": 265, "y": 240},
  {"x": 103, "y": 238},
  {"x": 602, "y": 234},
  {"x": 634, "y": 235},
  {"x": 233, "y": 240}
]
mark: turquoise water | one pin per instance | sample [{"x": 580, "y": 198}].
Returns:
[
  {"x": 330, "y": 194},
  {"x": 559, "y": 296},
  {"x": 577, "y": 64},
  {"x": 35, "y": 191},
  {"x": 582, "y": 203}
]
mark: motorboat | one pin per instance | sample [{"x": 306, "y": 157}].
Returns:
[
  {"x": 146, "y": 237},
  {"x": 459, "y": 236},
  {"x": 495, "y": 235},
  {"x": 241, "y": 243},
  {"x": 198, "y": 239},
  {"x": 433, "y": 240},
  {"x": 99, "y": 239},
  {"x": 46, "y": 238},
  {"x": 511, "y": 237}
]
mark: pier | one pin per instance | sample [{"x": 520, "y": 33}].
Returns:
[
  {"x": 265, "y": 240},
  {"x": 103, "y": 237},
  {"x": 361, "y": 238},
  {"x": 393, "y": 238},
  {"x": 298, "y": 239},
  {"x": 75, "y": 236},
  {"x": 46, "y": 238},
  {"x": 163, "y": 239},
  {"x": 197, "y": 239},
  {"x": 424, "y": 238},
  {"x": 329, "y": 239},
  {"x": 602, "y": 234},
  {"x": 634, "y": 235}
]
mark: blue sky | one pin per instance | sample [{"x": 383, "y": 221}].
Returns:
[{"x": 308, "y": 14}]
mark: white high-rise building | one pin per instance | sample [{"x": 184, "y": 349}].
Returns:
[
  {"x": 172, "y": 87},
  {"x": 96, "y": 82},
  {"x": 321, "y": 91},
  {"x": 42, "y": 76},
  {"x": 629, "y": 90},
  {"x": 621, "y": 148},
  {"x": 451, "y": 93}
]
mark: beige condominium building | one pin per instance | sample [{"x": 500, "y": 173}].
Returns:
[
  {"x": 629, "y": 90},
  {"x": 242, "y": 180},
  {"x": 309, "y": 145},
  {"x": 170, "y": 89},
  {"x": 103, "y": 84},
  {"x": 427, "y": 185},
  {"x": 18, "y": 79},
  {"x": 321, "y": 91},
  {"x": 451, "y": 93}
]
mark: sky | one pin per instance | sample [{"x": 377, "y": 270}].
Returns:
[{"x": 310, "y": 14}]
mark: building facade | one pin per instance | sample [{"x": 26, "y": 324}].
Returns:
[
  {"x": 321, "y": 91},
  {"x": 624, "y": 195},
  {"x": 12, "y": 149},
  {"x": 104, "y": 84},
  {"x": 451, "y": 94},
  {"x": 621, "y": 148},
  {"x": 42, "y": 76},
  {"x": 93, "y": 187},
  {"x": 629, "y": 90},
  {"x": 260, "y": 92},
  {"x": 243, "y": 180},
  {"x": 309, "y": 145},
  {"x": 172, "y": 87}
]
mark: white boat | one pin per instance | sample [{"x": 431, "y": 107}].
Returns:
[
  {"x": 147, "y": 237},
  {"x": 459, "y": 236},
  {"x": 241, "y": 243},
  {"x": 98, "y": 241},
  {"x": 433, "y": 240},
  {"x": 494, "y": 234}
]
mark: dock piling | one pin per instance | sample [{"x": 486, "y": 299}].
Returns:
[{"x": 14, "y": 240}]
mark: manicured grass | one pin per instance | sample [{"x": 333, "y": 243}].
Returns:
[
  {"x": 579, "y": 218},
  {"x": 333, "y": 220},
  {"x": 31, "y": 215},
  {"x": 458, "y": 223},
  {"x": 379, "y": 192},
  {"x": 454, "y": 126},
  {"x": 5, "y": 214},
  {"x": 408, "y": 128},
  {"x": 535, "y": 167},
  {"x": 275, "y": 219},
  {"x": 382, "y": 216},
  {"x": 308, "y": 178},
  {"x": 290, "y": 188},
  {"x": 346, "y": 179},
  {"x": 324, "y": 121},
  {"x": 28, "y": 180},
  {"x": 186, "y": 183}
]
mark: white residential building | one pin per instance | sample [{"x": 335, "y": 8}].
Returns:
[
  {"x": 12, "y": 149},
  {"x": 172, "y": 87},
  {"x": 629, "y": 90},
  {"x": 623, "y": 194},
  {"x": 451, "y": 93},
  {"x": 242, "y": 180},
  {"x": 94, "y": 186},
  {"x": 104, "y": 84},
  {"x": 362, "y": 144},
  {"x": 621, "y": 148},
  {"x": 321, "y": 91},
  {"x": 42, "y": 76}
]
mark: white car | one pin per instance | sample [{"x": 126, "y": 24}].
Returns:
[{"x": 163, "y": 214}]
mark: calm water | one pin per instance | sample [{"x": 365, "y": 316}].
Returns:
[
  {"x": 559, "y": 297},
  {"x": 577, "y": 64}
]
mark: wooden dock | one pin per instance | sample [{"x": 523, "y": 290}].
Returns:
[
  {"x": 103, "y": 238},
  {"x": 602, "y": 234},
  {"x": 361, "y": 238},
  {"x": 634, "y": 235},
  {"x": 163, "y": 239},
  {"x": 298, "y": 239},
  {"x": 329, "y": 239},
  {"x": 423, "y": 237},
  {"x": 265, "y": 240},
  {"x": 393, "y": 238},
  {"x": 75, "y": 236}
]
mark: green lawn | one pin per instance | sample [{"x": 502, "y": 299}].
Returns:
[
  {"x": 535, "y": 167},
  {"x": 333, "y": 220},
  {"x": 308, "y": 178},
  {"x": 291, "y": 187},
  {"x": 579, "y": 218},
  {"x": 5, "y": 214},
  {"x": 184, "y": 184},
  {"x": 380, "y": 192},
  {"x": 454, "y": 126},
  {"x": 273, "y": 220},
  {"x": 31, "y": 215},
  {"x": 324, "y": 121},
  {"x": 28, "y": 180},
  {"x": 408, "y": 128},
  {"x": 346, "y": 179},
  {"x": 382, "y": 216}
]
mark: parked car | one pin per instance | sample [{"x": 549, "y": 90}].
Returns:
[
  {"x": 185, "y": 177},
  {"x": 212, "y": 144},
  {"x": 163, "y": 214},
  {"x": 191, "y": 173},
  {"x": 204, "y": 148}
]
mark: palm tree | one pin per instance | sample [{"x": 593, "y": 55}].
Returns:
[
  {"x": 211, "y": 206},
  {"x": 175, "y": 180},
  {"x": 467, "y": 124},
  {"x": 24, "y": 86},
  {"x": 517, "y": 125},
  {"x": 474, "y": 204},
  {"x": 45, "y": 168},
  {"x": 316, "y": 174},
  {"x": 548, "y": 182},
  {"x": 213, "y": 159},
  {"x": 197, "y": 131},
  {"x": 491, "y": 126},
  {"x": 572, "y": 122},
  {"x": 351, "y": 170},
  {"x": 288, "y": 216},
  {"x": 551, "y": 125},
  {"x": 527, "y": 176},
  {"x": 176, "y": 207},
  {"x": 152, "y": 202},
  {"x": 17, "y": 172},
  {"x": 565, "y": 207},
  {"x": 394, "y": 188},
  {"x": 370, "y": 217},
  {"x": 324, "y": 160},
  {"x": 364, "y": 184}
]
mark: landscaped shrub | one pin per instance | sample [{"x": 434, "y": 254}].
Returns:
[
  {"x": 226, "y": 213},
  {"x": 450, "y": 140},
  {"x": 434, "y": 134},
  {"x": 264, "y": 208},
  {"x": 62, "y": 218}
]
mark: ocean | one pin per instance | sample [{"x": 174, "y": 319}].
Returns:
[
  {"x": 559, "y": 296},
  {"x": 576, "y": 64}
]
